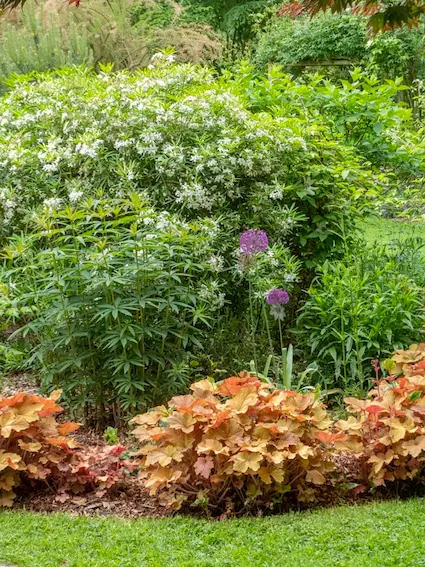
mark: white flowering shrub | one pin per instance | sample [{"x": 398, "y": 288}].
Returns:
[
  {"x": 124, "y": 294},
  {"x": 187, "y": 139},
  {"x": 195, "y": 146}
]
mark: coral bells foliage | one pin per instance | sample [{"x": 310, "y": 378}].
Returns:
[
  {"x": 34, "y": 446},
  {"x": 234, "y": 446},
  {"x": 32, "y": 442},
  {"x": 387, "y": 430},
  {"x": 93, "y": 469}
]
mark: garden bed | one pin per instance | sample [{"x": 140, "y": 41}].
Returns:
[{"x": 237, "y": 447}]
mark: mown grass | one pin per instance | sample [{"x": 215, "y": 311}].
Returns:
[
  {"x": 383, "y": 231},
  {"x": 389, "y": 534}
]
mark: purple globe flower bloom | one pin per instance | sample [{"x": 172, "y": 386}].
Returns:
[
  {"x": 277, "y": 297},
  {"x": 253, "y": 241}
]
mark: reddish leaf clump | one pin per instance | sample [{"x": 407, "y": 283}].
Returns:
[
  {"x": 35, "y": 447},
  {"x": 387, "y": 430},
  {"x": 240, "y": 444}
]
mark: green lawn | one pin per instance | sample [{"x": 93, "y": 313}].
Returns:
[
  {"x": 383, "y": 231},
  {"x": 376, "y": 535}
]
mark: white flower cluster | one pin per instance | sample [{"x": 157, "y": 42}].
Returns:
[
  {"x": 8, "y": 205},
  {"x": 211, "y": 293},
  {"x": 175, "y": 130},
  {"x": 53, "y": 203},
  {"x": 161, "y": 59},
  {"x": 217, "y": 263}
]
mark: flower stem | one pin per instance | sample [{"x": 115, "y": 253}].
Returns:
[
  {"x": 251, "y": 309},
  {"x": 280, "y": 335},
  {"x": 276, "y": 368}
]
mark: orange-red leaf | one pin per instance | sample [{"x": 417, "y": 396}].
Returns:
[
  {"x": 232, "y": 386},
  {"x": 327, "y": 437},
  {"x": 68, "y": 427}
]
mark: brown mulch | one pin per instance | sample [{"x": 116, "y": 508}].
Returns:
[
  {"x": 129, "y": 501},
  {"x": 19, "y": 382},
  {"x": 347, "y": 467},
  {"x": 132, "y": 502}
]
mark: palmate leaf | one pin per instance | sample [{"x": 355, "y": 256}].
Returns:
[
  {"x": 203, "y": 466},
  {"x": 232, "y": 443},
  {"x": 381, "y": 16}
]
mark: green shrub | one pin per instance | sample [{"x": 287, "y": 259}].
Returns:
[
  {"x": 364, "y": 113},
  {"x": 124, "y": 295},
  {"x": 302, "y": 43},
  {"x": 14, "y": 311},
  {"x": 397, "y": 53},
  {"x": 152, "y": 14},
  {"x": 191, "y": 142},
  {"x": 359, "y": 310},
  {"x": 325, "y": 37},
  {"x": 39, "y": 43}
]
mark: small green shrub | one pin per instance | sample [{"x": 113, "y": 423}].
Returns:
[
  {"x": 304, "y": 40},
  {"x": 364, "y": 114},
  {"x": 359, "y": 310},
  {"x": 302, "y": 44},
  {"x": 152, "y": 14},
  {"x": 124, "y": 295},
  {"x": 361, "y": 111}
]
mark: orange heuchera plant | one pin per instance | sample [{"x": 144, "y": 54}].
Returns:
[
  {"x": 236, "y": 444},
  {"x": 387, "y": 430},
  {"x": 35, "y": 447},
  {"x": 408, "y": 362},
  {"x": 31, "y": 440}
]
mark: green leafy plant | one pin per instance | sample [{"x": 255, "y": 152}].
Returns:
[
  {"x": 13, "y": 313},
  {"x": 335, "y": 43},
  {"x": 111, "y": 436},
  {"x": 287, "y": 359},
  {"x": 358, "y": 310},
  {"x": 303, "y": 41},
  {"x": 123, "y": 298}
]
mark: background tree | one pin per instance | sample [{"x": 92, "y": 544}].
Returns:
[{"x": 382, "y": 15}]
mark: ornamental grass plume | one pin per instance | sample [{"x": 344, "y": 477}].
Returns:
[{"x": 253, "y": 241}]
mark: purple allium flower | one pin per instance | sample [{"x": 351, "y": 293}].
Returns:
[
  {"x": 253, "y": 241},
  {"x": 277, "y": 297}
]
